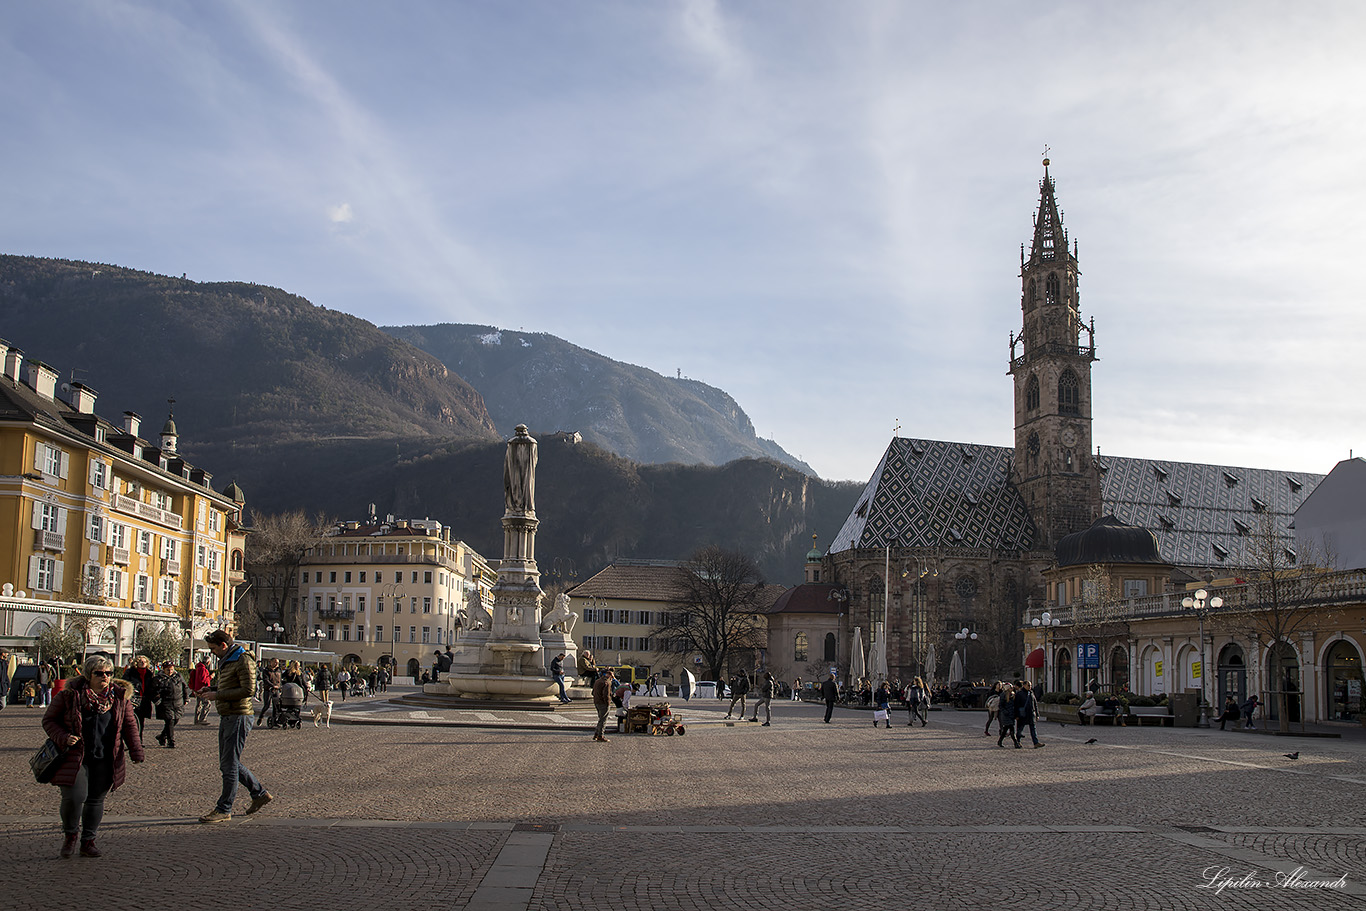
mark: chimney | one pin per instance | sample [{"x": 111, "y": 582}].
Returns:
[
  {"x": 82, "y": 398},
  {"x": 132, "y": 423},
  {"x": 14, "y": 360},
  {"x": 42, "y": 379}
]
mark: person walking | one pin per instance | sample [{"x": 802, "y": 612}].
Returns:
[
  {"x": 140, "y": 674},
  {"x": 557, "y": 671},
  {"x": 232, "y": 690},
  {"x": 797, "y": 690},
  {"x": 739, "y": 689},
  {"x": 1006, "y": 717},
  {"x": 322, "y": 683},
  {"x": 602, "y": 701},
  {"x": 652, "y": 686},
  {"x": 830, "y": 692},
  {"x": 1249, "y": 709},
  {"x": 200, "y": 678},
  {"x": 1026, "y": 708},
  {"x": 344, "y": 682},
  {"x": 46, "y": 674},
  {"x": 993, "y": 707},
  {"x": 882, "y": 704},
  {"x": 272, "y": 678},
  {"x": 917, "y": 702},
  {"x": 6, "y": 674},
  {"x": 768, "y": 689},
  {"x": 171, "y": 697},
  {"x": 92, "y": 719},
  {"x": 294, "y": 673}
]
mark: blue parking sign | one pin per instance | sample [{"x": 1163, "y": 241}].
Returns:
[{"x": 1088, "y": 655}]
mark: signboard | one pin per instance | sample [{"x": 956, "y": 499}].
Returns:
[
  {"x": 1196, "y": 669},
  {"x": 1158, "y": 668},
  {"x": 1088, "y": 655}
]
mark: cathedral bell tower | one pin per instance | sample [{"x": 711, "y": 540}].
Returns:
[{"x": 1054, "y": 469}]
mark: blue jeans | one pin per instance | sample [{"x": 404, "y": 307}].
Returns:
[
  {"x": 232, "y": 736},
  {"x": 559, "y": 679},
  {"x": 1020, "y": 725}
]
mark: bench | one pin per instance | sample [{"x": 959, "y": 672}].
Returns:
[{"x": 1151, "y": 714}]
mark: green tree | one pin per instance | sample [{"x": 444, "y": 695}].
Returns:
[
  {"x": 718, "y": 595},
  {"x": 165, "y": 643},
  {"x": 65, "y": 645}
]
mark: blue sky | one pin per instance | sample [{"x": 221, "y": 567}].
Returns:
[{"x": 817, "y": 207}]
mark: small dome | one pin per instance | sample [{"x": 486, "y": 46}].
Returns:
[
  {"x": 234, "y": 493},
  {"x": 169, "y": 428},
  {"x": 1108, "y": 540}
]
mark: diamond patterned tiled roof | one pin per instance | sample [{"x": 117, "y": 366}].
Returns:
[
  {"x": 928, "y": 493},
  {"x": 1202, "y": 515}
]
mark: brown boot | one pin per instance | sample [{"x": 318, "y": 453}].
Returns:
[
  {"x": 69, "y": 845},
  {"x": 88, "y": 848}
]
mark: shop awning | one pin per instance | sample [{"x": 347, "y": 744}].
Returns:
[{"x": 1034, "y": 658}]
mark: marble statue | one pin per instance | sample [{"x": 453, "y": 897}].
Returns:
[
  {"x": 519, "y": 472},
  {"x": 561, "y": 618},
  {"x": 478, "y": 617}
]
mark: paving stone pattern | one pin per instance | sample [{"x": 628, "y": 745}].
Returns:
[{"x": 415, "y": 812}]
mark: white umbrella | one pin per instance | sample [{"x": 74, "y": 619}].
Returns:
[
  {"x": 929, "y": 666},
  {"x": 956, "y": 668},
  {"x": 880, "y": 655},
  {"x": 689, "y": 684},
  {"x": 856, "y": 669}
]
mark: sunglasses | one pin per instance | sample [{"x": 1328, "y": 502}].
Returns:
[{"x": 103, "y": 673}]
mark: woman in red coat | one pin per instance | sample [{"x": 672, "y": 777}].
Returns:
[{"x": 93, "y": 718}]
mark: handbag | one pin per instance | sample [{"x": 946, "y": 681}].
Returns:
[
  {"x": 880, "y": 715},
  {"x": 47, "y": 761}
]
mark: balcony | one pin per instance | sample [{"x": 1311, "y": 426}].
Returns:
[
  {"x": 336, "y": 614},
  {"x": 215, "y": 576},
  {"x": 147, "y": 511},
  {"x": 50, "y": 540},
  {"x": 119, "y": 555},
  {"x": 170, "y": 567}
]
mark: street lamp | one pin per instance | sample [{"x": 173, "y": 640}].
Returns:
[
  {"x": 275, "y": 629},
  {"x": 965, "y": 636},
  {"x": 1202, "y": 604},
  {"x": 1045, "y": 622}
]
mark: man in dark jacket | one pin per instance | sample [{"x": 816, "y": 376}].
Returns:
[
  {"x": 602, "y": 701},
  {"x": 272, "y": 677},
  {"x": 1025, "y": 708},
  {"x": 830, "y": 692},
  {"x": 557, "y": 671},
  {"x": 233, "y": 687},
  {"x": 4, "y": 677},
  {"x": 739, "y": 687},
  {"x": 1006, "y": 716},
  {"x": 768, "y": 689},
  {"x": 171, "y": 696}
]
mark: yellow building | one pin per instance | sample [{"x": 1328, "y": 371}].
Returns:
[
  {"x": 102, "y": 524},
  {"x": 390, "y": 591}
]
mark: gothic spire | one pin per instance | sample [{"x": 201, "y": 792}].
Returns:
[{"x": 1050, "y": 238}]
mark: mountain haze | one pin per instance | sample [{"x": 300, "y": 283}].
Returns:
[{"x": 543, "y": 381}]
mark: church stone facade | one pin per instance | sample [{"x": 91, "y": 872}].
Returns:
[{"x": 948, "y": 535}]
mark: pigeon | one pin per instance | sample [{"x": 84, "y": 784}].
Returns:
[
  {"x": 1294, "y": 755},
  {"x": 1092, "y": 740},
  {"x": 1062, "y": 724}
]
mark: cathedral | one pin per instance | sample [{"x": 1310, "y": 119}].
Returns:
[{"x": 950, "y": 537}]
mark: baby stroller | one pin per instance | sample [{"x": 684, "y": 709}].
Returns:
[{"x": 285, "y": 711}]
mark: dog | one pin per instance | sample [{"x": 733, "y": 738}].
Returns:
[{"x": 322, "y": 715}]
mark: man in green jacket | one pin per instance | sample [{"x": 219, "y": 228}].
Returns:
[{"x": 233, "y": 687}]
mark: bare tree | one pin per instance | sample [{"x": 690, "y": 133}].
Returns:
[
  {"x": 1099, "y": 616},
  {"x": 276, "y": 546},
  {"x": 1285, "y": 596},
  {"x": 718, "y": 594}
]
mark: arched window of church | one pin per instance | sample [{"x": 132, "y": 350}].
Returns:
[
  {"x": 1069, "y": 393},
  {"x": 1032, "y": 393},
  {"x": 829, "y": 647},
  {"x": 1051, "y": 293},
  {"x": 799, "y": 648},
  {"x": 1032, "y": 296}
]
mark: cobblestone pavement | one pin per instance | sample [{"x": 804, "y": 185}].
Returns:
[{"x": 524, "y": 812}]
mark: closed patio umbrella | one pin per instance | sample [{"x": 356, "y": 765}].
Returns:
[{"x": 857, "y": 670}]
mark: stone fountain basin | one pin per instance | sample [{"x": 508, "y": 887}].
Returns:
[{"x": 494, "y": 686}]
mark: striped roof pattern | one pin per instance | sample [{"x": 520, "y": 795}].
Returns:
[{"x": 928, "y": 493}]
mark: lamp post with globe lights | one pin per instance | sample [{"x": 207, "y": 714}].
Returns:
[
  {"x": 965, "y": 636},
  {"x": 1202, "y": 604},
  {"x": 1046, "y": 622}
]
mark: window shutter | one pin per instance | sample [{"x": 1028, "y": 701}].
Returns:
[
  {"x": 37, "y": 515},
  {"x": 61, "y": 520},
  {"x": 33, "y": 572},
  {"x": 66, "y": 464},
  {"x": 39, "y": 457},
  {"x": 57, "y": 575}
]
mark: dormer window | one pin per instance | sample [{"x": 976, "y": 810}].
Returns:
[
  {"x": 1291, "y": 555},
  {"x": 1220, "y": 552},
  {"x": 1160, "y": 472},
  {"x": 862, "y": 511},
  {"x": 1230, "y": 479},
  {"x": 1258, "y": 505},
  {"x": 1173, "y": 499},
  {"x": 1242, "y": 527},
  {"x": 1295, "y": 486},
  {"x": 1166, "y": 523}
]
